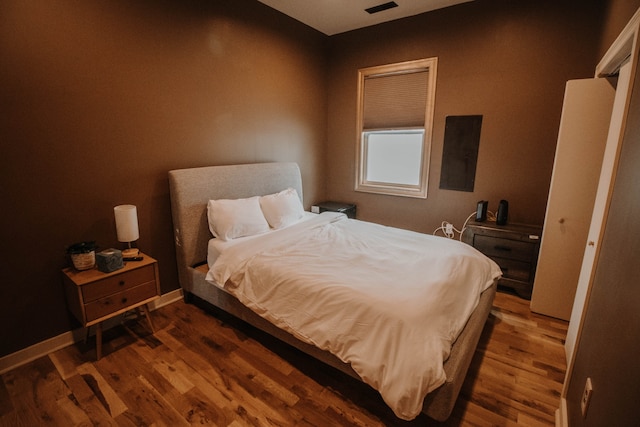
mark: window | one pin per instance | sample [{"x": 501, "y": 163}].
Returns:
[{"x": 395, "y": 116}]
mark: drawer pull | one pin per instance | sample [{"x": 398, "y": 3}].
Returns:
[
  {"x": 124, "y": 300},
  {"x": 502, "y": 248},
  {"x": 121, "y": 283}
]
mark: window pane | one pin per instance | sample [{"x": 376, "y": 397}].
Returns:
[{"x": 394, "y": 157}]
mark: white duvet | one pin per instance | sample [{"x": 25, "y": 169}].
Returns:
[{"x": 388, "y": 301}]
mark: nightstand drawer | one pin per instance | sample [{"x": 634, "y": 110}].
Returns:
[
  {"x": 118, "y": 301},
  {"x": 118, "y": 283},
  {"x": 504, "y": 248},
  {"x": 515, "y": 270}
]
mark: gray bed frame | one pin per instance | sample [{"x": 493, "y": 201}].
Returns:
[{"x": 191, "y": 189}]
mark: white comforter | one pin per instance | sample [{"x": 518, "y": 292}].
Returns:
[{"x": 390, "y": 302}]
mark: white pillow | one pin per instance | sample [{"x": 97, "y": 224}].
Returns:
[
  {"x": 229, "y": 219},
  {"x": 282, "y": 209}
]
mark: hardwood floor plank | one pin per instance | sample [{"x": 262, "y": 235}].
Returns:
[
  {"x": 6, "y": 406},
  {"x": 205, "y": 376},
  {"x": 34, "y": 390},
  {"x": 193, "y": 397},
  {"x": 274, "y": 384},
  {"x": 171, "y": 372},
  {"x": 198, "y": 409},
  {"x": 72, "y": 411},
  {"x": 158, "y": 409},
  {"x": 101, "y": 389},
  {"x": 200, "y": 370},
  {"x": 66, "y": 361},
  {"x": 89, "y": 403},
  {"x": 480, "y": 416},
  {"x": 237, "y": 386}
]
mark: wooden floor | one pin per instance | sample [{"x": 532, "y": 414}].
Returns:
[{"x": 198, "y": 370}]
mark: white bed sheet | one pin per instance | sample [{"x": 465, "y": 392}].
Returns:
[{"x": 388, "y": 301}]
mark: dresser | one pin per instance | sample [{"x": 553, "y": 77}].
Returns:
[
  {"x": 94, "y": 296},
  {"x": 514, "y": 247}
]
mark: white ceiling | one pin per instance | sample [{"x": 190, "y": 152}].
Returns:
[{"x": 337, "y": 16}]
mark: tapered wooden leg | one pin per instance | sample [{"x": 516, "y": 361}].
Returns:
[
  {"x": 99, "y": 341},
  {"x": 148, "y": 314}
]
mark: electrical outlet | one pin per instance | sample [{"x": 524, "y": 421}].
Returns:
[
  {"x": 586, "y": 397},
  {"x": 449, "y": 229},
  {"x": 315, "y": 209}
]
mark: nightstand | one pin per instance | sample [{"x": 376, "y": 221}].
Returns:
[
  {"x": 514, "y": 247},
  {"x": 346, "y": 208},
  {"x": 94, "y": 296}
]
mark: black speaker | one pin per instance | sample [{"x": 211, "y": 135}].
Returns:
[
  {"x": 481, "y": 211},
  {"x": 503, "y": 213}
]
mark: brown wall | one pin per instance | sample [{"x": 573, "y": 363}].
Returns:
[
  {"x": 506, "y": 60},
  {"x": 616, "y": 16},
  {"x": 98, "y": 100}
]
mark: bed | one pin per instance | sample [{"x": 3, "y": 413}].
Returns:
[{"x": 219, "y": 282}]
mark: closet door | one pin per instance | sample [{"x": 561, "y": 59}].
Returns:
[{"x": 582, "y": 137}]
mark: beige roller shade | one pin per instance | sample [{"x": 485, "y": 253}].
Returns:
[{"x": 395, "y": 101}]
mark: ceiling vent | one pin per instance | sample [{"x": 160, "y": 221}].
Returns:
[{"x": 381, "y": 7}]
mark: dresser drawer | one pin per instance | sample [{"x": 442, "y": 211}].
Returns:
[
  {"x": 504, "y": 248},
  {"x": 117, "y": 283},
  {"x": 118, "y": 301}
]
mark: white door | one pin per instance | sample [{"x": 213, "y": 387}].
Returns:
[
  {"x": 582, "y": 137},
  {"x": 600, "y": 208}
]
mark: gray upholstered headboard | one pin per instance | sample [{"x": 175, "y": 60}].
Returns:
[{"x": 191, "y": 189}]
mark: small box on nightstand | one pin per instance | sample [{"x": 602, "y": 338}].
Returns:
[{"x": 109, "y": 260}]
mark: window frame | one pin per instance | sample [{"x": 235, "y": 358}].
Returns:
[{"x": 387, "y": 188}]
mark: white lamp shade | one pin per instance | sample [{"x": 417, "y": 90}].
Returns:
[{"x": 126, "y": 223}]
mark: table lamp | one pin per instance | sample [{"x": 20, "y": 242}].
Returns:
[{"x": 127, "y": 227}]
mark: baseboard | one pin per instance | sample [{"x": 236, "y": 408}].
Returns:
[
  {"x": 50, "y": 345},
  {"x": 166, "y": 299},
  {"x": 561, "y": 414}
]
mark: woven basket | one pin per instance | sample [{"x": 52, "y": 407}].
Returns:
[{"x": 84, "y": 261}]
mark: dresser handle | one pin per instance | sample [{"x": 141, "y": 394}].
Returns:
[
  {"x": 502, "y": 248},
  {"x": 124, "y": 300},
  {"x": 121, "y": 283}
]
